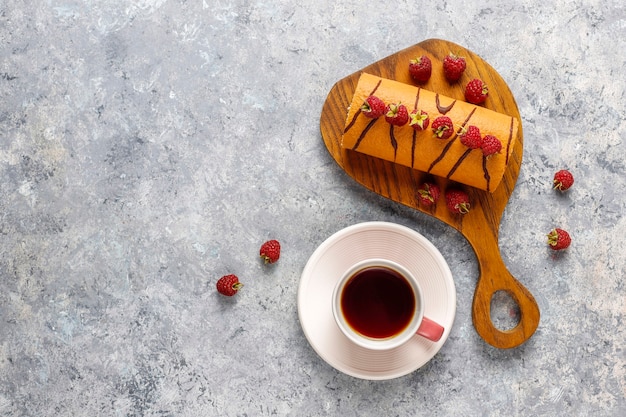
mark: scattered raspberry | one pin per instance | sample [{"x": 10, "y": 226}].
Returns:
[
  {"x": 457, "y": 201},
  {"x": 453, "y": 67},
  {"x": 270, "y": 251},
  {"x": 563, "y": 180},
  {"x": 428, "y": 194},
  {"x": 470, "y": 137},
  {"x": 559, "y": 239},
  {"x": 228, "y": 285},
  {"x": 442, "y": 127},
  {"x": 420, "y": 69},
  {"x": 397, "y": 114},
  {"x": 491, "y": 145},
  {"x": 476, "y": 91},
  {"x": 419, "y": 120},
  {"x": 373, "y": 107}
]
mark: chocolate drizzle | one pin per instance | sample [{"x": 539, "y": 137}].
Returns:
[
  {"x": 443, "y": 109},
  {"x": 363, "y": 133},
  {"x": 417, "y": 97},
  {"x": 456, "y": 165},
  {"x": 394, "y": 142},
  {"x": 508, "y": 143},
  {"x": 443, "y": 153},
  {"x": 358, "y": 112},
  {"x": 486, "y": 171},
  {"x": 413, "y": 148},
  {"x": 449, "y": 144}
]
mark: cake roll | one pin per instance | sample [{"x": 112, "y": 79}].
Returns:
[{"x": 422, "y": 149}]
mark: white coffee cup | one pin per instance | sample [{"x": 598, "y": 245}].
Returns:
[{"x": 378, "y": 304}]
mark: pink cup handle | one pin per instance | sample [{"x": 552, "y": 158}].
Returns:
[{"x": 430, "y": 330}]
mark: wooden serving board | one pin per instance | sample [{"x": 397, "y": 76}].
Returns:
[{"x": 399, "y": 183}]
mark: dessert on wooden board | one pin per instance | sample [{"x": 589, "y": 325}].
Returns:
[
  {"x": 411, "y": 187},
  {"x": 425, "y": 149}
]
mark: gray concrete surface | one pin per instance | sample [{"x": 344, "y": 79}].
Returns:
[{"x": 148, "y": 147}]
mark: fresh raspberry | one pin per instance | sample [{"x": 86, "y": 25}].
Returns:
[
  {"x": 228, "y": 285},
  {"x": 419, "y": 120},
  {"x": 397, "y": 114},
  {"x": 559, "y": 239},
  {"x": 491, "y": 145},
  {"x": 428, "y": 193},
  {"x": 420, "y": 69},
  {"x": 476, "y": 91},
  {"x": 563, "y": 180},
  {"x": 453, "y": 67},
  {"x": 270, "y": 251},
  {"x": 470, "y": 137},
  {"x": 373, "y": 107},
  {"x": 457, "y": 201},
  {"x": 442, "y": 127}
]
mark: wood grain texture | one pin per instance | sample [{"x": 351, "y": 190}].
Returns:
[{"x": 481, "y": 225}]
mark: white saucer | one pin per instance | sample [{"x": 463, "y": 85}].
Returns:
[{"x": 356, "y": 243}]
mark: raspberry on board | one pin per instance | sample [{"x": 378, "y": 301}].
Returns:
[
  {"x": 453, "y": 67},
  {"x": 428, "y": 194},
  {"x": 476, "y": 91},
  {"x": 420, "y": 69},
  {"x": 457, "y": 201}
]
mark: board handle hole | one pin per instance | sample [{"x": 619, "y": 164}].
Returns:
[{"x": 505, "y": 312}]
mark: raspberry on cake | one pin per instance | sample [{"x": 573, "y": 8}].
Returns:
[{"x": 443, "y": 127}]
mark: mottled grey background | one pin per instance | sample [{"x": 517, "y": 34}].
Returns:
[{"x": 148, "y": 147}]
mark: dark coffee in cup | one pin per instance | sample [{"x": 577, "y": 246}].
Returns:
[{"x": 378, "y": 302}]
